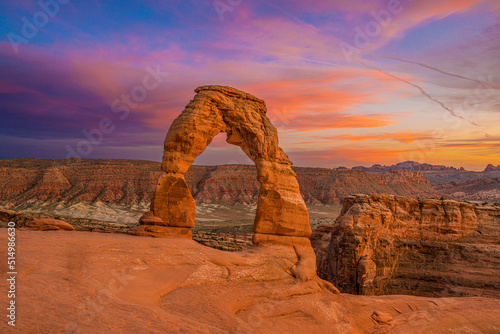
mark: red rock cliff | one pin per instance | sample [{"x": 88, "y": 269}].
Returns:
[
  {"x": 133, "y": 181},
  {"x": 384, "y": 244}
]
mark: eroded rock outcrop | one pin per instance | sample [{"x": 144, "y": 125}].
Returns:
[
  {"x": 384, "y": 244},
  {"x": 46, "y": 224},
  {"x": 281, "y": 209}
]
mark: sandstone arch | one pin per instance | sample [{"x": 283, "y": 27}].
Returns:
[{"x": 281, "y": 210}]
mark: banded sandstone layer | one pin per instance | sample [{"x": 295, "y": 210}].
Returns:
[
  {"x": 114, "y": 181},
  {"x": 384, "y": 244}
]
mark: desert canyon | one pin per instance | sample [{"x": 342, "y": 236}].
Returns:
[{"x": 397, "y": 257}]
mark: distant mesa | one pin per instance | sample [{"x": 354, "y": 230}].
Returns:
[{"x": 408, "y": 165}]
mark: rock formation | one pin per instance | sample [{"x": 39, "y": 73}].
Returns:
[
  {"x": 21, "y": 219},
  {"x": 435, "y": 173},
  {"x": 384, "y": 244},
  {"x": 492, "y": 168},
  {"x": 480, "y": 189},
  {"x": 281, "y": 211},
  {"x": 33, "y": 182},
  {"x": 407, "y": 165},
  {"x": 45, "y": 224}
]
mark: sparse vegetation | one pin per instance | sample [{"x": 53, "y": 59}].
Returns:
[
  {"x": 442, "y": 198},
  {"x": 484, "y": 203}
]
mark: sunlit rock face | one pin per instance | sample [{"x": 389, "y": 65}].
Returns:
[
  {"x": 384, "y": 244},
  {"x": 215, "y": 109}
]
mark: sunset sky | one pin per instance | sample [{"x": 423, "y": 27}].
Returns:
[{"x": 346, "y": 83}]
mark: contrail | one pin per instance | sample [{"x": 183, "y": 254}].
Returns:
[
  {"x": 424, "y": 93},
  {"x": 295, "y": 18},
  {"x": 438, "y": 70},
  {"x": 320, "y": 62}
]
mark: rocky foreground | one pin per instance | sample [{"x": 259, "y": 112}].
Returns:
[{"x": 83, "y": 282}]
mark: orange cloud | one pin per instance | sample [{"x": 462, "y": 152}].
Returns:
[
  {"x": 337, "y": 121},
  {"x": 348, "y": 155},
  {"x": 469, "y": 145},
  {"x": 403, "y": 137}
]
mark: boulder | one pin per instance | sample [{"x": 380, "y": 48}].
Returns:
[
  {"x": 44, "y": 224},
  {"x": 150, "y": 219}
]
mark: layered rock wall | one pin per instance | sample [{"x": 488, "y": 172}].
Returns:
[
  {"x": 28, "y": 182},
  {"x": 384, "y": 244}
]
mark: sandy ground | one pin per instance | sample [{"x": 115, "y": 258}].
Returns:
[{"x": 84, "y": 282}]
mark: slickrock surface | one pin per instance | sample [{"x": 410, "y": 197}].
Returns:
[
  {"x": 384, "y": 244},
  {"x": 30, "y": 182},
  {"x": 85, "y": 282},
  {"x": 215, "y": 109}
]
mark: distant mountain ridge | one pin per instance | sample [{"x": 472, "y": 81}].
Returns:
[
  {"x": 133, "y": 182},
  {"x": 407, "y": 165},
  {"x": 491, "y": 168},
  {"x": 435, "y": 173}
]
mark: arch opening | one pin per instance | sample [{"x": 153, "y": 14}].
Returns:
[
  {"x": 280, "y": 212},
  {"x": 223, "y": 182}
]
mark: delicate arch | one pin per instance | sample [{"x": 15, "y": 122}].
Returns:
[{"x": 214, "y": 109}]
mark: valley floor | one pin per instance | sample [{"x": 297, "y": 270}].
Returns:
[{"x": 216, "y": 225}]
